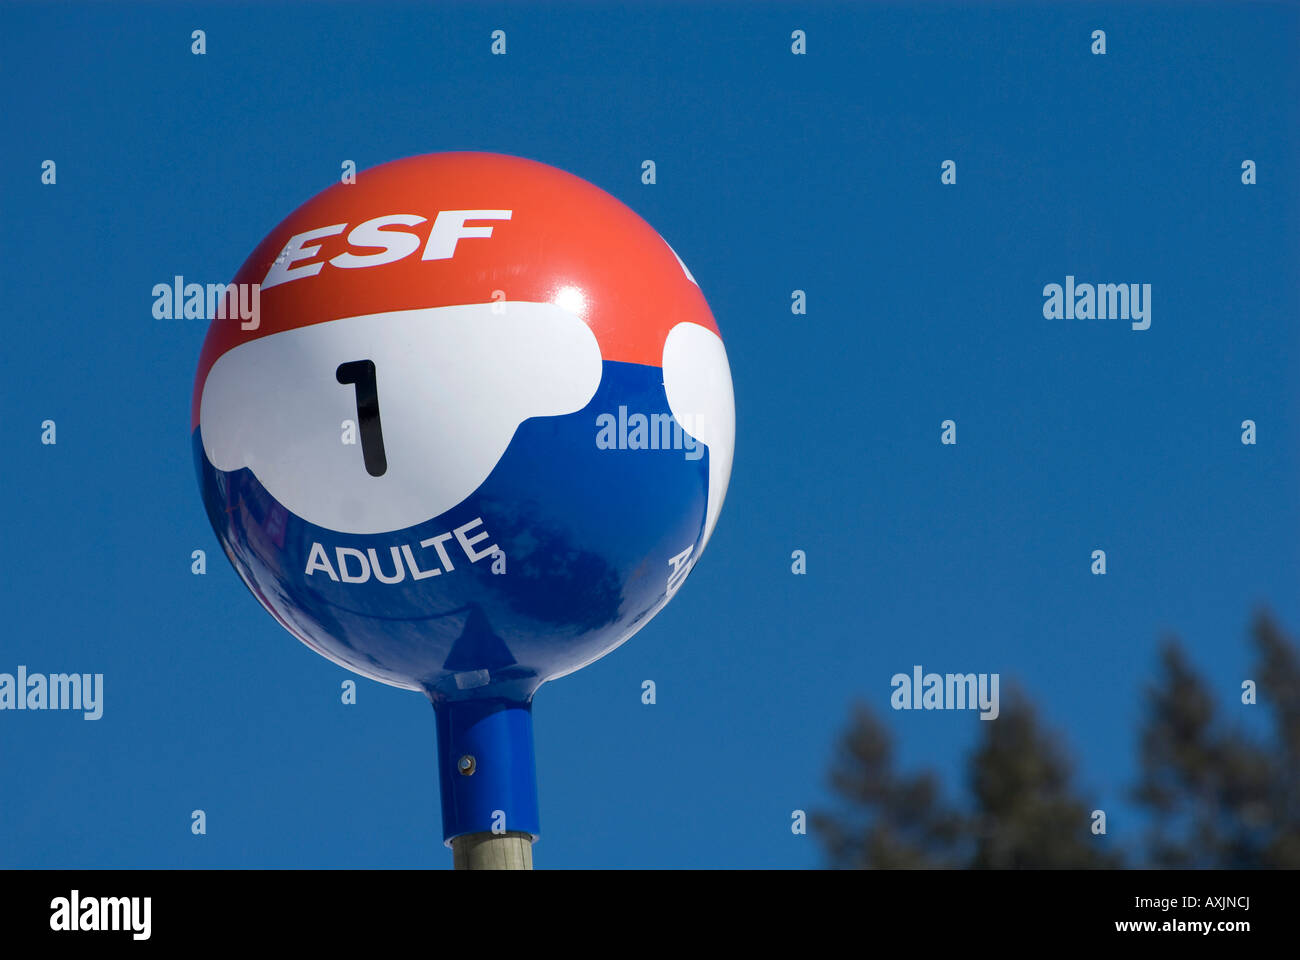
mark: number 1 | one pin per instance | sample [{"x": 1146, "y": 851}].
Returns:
[{"x": 362, "y": 373}]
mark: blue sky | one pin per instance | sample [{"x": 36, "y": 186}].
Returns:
[{"x": 775, "y": 173}]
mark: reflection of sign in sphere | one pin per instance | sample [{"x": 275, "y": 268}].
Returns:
[{"x": 478, "y": 432}]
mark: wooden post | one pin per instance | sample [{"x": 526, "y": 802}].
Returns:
[{"x": 493, "y": 851}]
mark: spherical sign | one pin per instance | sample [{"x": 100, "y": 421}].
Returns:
[{"x": 477, "y": 430}]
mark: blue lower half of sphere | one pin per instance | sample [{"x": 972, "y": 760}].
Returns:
[{"x": 591, "y": 528}]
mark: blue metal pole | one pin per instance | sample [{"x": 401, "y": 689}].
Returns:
[{"x": 486, "y": 768}]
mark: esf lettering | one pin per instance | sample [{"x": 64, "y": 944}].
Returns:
[
  {"x": 431, "y": 557},
  {"x": 302, "y": 258}
]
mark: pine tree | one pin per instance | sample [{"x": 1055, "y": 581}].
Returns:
[
  {"x": 1023, "y": 811},
  {"x": 1278, "y": 673},
  {"x": 1027, "y": 813},
  {"x": 884, "y": 820},
  {"x": 1218, "y": 798}
]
